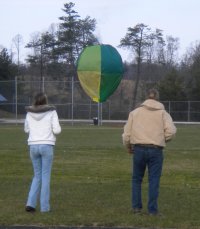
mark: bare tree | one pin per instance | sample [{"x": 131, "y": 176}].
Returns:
[
  {"x": 18, "y": 41},
  {"x": 172, "y": 46}
]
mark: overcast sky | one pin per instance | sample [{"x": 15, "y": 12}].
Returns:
[{"x": 178, "y": 18}]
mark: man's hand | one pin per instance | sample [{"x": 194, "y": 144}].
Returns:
[{"x": 130, "y": 149}]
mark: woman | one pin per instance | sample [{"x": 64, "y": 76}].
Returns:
[{"x": 41, "y": 124}]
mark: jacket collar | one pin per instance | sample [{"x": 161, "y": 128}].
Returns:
[
  {"x": 40, "y": 108},
  {"x": 152, "y": 104}
]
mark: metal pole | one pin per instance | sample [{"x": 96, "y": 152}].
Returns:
[
  {"x": 16, "y": 100},
  {"x": 98, "y": 108},
  {"x": 90, "y": 109},
  {"x": 169, "y": 107},
  {"x": 99, "y": 114},
  {"x": 109, "y": 109},
  {"x": 72, "y": 101},
  {"x": 43, "y": 84},
  {"x": 188, "y": 111}
]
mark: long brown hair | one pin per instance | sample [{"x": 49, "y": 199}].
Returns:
[{"x": 40, "y": 99}]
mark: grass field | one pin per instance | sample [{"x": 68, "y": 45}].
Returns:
[{"x": 91, "y": 180}]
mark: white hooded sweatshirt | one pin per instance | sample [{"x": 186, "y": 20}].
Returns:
[{"x": 41, "y": 125}]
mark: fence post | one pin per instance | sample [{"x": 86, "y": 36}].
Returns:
[
  {"x": 108, "y": 109},
  {"x": 16, "y": 100},
  {"x": 188, "y": 111},
  {"x": 90, "y": 110},
  {"x": 101, "y": 106},
  {"x": 98, "y": 110},
  {"x": 72, "y": 107},
  {"x": 43, "y": 84},
  {"x": 99, "y": 114}
]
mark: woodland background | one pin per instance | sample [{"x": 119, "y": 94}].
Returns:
[{"x": 53, "y": 54}]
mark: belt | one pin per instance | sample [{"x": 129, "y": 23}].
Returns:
[{"x": 149, "y": 146}]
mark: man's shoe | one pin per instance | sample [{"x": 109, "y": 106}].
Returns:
[
  {"x": 30, "y": 209},
  {"x": 158, "y": 214},
  {"x": 137, "y": 210}
]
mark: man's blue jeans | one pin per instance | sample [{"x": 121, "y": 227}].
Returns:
[
  {"x": 42, "y": 158},
  {"x": 152, "y": 158}
]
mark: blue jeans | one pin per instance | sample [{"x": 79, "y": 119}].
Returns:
[
  {"x": 42, "y": 158},
  {"x": 152, "y": 158}
]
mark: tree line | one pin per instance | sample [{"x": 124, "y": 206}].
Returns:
[{"x": 155, "y": 62}]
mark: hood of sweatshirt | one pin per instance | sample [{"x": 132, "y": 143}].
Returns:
[
  {"x": 38, "y": 116},
  {"x": 39, "y": 112},
  {"x": 152, "y": 104}
]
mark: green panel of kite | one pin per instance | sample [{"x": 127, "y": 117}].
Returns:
[{"x": 100, "y": 70}]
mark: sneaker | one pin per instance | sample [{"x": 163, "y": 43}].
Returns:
[{"x": 30, "y": 209}]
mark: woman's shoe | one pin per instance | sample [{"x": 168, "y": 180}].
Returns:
[{"x": 30, "y": 209}]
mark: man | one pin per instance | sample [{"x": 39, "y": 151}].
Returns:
[{"x": 146, "y": 132}]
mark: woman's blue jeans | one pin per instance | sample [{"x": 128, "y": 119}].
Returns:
[
  {"x": 42, "y": 158},
  {"x": 152, "y": 158}
]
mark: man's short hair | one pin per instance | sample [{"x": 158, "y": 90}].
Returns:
[{"x": 153, "y": 94}]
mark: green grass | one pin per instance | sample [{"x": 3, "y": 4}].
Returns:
[{"x": 91, "y": 180}]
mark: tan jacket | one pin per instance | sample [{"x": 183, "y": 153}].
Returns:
[{"x": 149, "y": 124}]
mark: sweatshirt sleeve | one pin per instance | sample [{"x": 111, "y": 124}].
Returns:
[
  {"x": 55, "y": 123},
  {"x": 169, "y": 127},
  {"x": 127, "y": 132},
  {"x": 26, "y": 125}
]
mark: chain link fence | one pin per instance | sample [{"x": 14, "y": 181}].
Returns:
[
  {"x": 68, "y": 96},
  {"x": 73, "y": 104}
]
